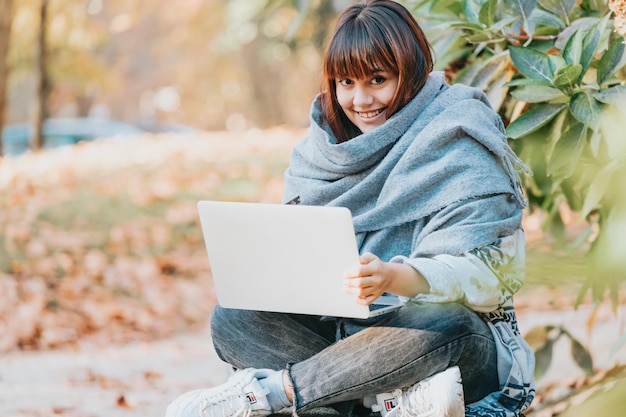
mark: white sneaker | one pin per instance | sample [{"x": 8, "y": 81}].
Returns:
[
  {"x": 240, "y": 396},
  {"x": 440, "y": 395},
  {"x": 382, "y": 403}
]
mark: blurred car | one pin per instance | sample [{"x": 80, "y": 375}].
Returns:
[
  {"x": 167, "y": 127},
  {"x": 63, "y": 132}
]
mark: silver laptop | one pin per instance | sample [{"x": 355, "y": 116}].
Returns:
[{"x": 284, "y": 258}]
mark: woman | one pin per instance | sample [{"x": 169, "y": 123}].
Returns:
[{"x": 437, "y": 207}]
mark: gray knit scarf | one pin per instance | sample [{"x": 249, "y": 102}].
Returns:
[{"x": 445, "y": 146}]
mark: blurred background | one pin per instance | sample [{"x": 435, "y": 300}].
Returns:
[{"x": 213, "y": 65}]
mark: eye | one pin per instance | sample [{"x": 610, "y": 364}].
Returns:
[
  {"x": 345, "y": 82},
  {"x": 379, "y": 79}
]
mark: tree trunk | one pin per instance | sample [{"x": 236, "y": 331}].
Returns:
[
  {"x": 44, "y": 83},
  {"x": 6, "y": 17}
]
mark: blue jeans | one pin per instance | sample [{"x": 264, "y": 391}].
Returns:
[{"x": 332, "y": 361}]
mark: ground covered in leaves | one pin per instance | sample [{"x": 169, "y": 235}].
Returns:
[
  {"x": 105, "y": 288},
  {"x": 103, "y": 240}
]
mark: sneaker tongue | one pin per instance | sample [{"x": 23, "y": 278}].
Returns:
[{"x": 256, "y": 396}]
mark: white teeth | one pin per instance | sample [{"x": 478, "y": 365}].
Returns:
[{"x": 370, "y": 114}]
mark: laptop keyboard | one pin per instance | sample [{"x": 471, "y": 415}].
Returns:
[{"x": 377, "y": 306}]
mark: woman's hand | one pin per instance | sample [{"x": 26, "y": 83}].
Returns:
[
  {"x": 369, "y": 281},
  {"x": 373, "y": 277}
]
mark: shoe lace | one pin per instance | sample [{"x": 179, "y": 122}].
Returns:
[
  {"x": 229, "y": 402},
  {"x": 413, "y": 403}
]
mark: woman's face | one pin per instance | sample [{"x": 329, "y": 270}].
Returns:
[{"x": 365, "y": 100}]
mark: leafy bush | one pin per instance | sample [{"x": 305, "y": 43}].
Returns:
[{"x": 554, "y": 71}]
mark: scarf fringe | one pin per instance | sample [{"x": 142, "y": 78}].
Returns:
[{"x": 515, "y": 167}]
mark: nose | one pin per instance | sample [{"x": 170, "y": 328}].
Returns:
[{"x": 362, "y": 96}]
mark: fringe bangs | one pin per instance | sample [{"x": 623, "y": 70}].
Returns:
[{"x": 357, "y": 54}]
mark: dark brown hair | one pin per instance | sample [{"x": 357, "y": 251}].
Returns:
[{"x": 368, "y": 36}]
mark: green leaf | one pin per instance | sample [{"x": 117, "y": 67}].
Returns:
[
  {"x": 566, "y": 152},
  {"x": 471, "y": 10},
  {"x": 500, "y": 24},
  {"x": 444, "y": 7},
  {"x": 543, "y": 358},
  {"x": 452, "y": 44},
  {"x": 476, "y": 27},
  {"x": 484, "y": 36},
  {"x": 488, "y": 11},
  {"x": 615, "y": 96},
  {"x": 546, "y": 19},
  {"x": 598, "y": 187},
  {"x": 481, "y": 74},
  {"x": 533, "y": 120},
  {"x": 536, "y": 93},
  {"x": 531, "y": 63},
  {"x": 521, "y": 9},
  {"x": 496, "y": 92},
  {"x": 571, "y": 190},
  {"x": 562, "y": 8},
  {"x": 567, "y": 76},
  {"x": 466, "y": 75},
  {"x": 582, "y": 25},
  {"x": 586, "y": 109},
  {"x": 574, "y": 48},
  {"x": 582, "y": 357},
  {"x": 597, "y": 5},
  {"x": 526, "y": 81},
  {"x": 546, "y": 31},
  {"x": 611, "y": 61},
  {"x": 451, "y": 55},
  {"x": 583, "y": 292},
  {"x": 591, "y": 42},
  {"x": 556, "y": 62}
]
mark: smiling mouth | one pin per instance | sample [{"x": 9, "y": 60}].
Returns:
[{"x": 369, "y": 114}]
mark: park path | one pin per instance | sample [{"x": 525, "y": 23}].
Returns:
[{"x": 139, "y": 379}]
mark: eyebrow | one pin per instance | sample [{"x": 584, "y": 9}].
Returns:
[{"x": 372, "y": 72}]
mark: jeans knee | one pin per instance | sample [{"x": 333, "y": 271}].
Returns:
[
  {"x": 216, "y": 323},
  {"x": 217, "y": 317},
  {"x": 230, "y": 325}
]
